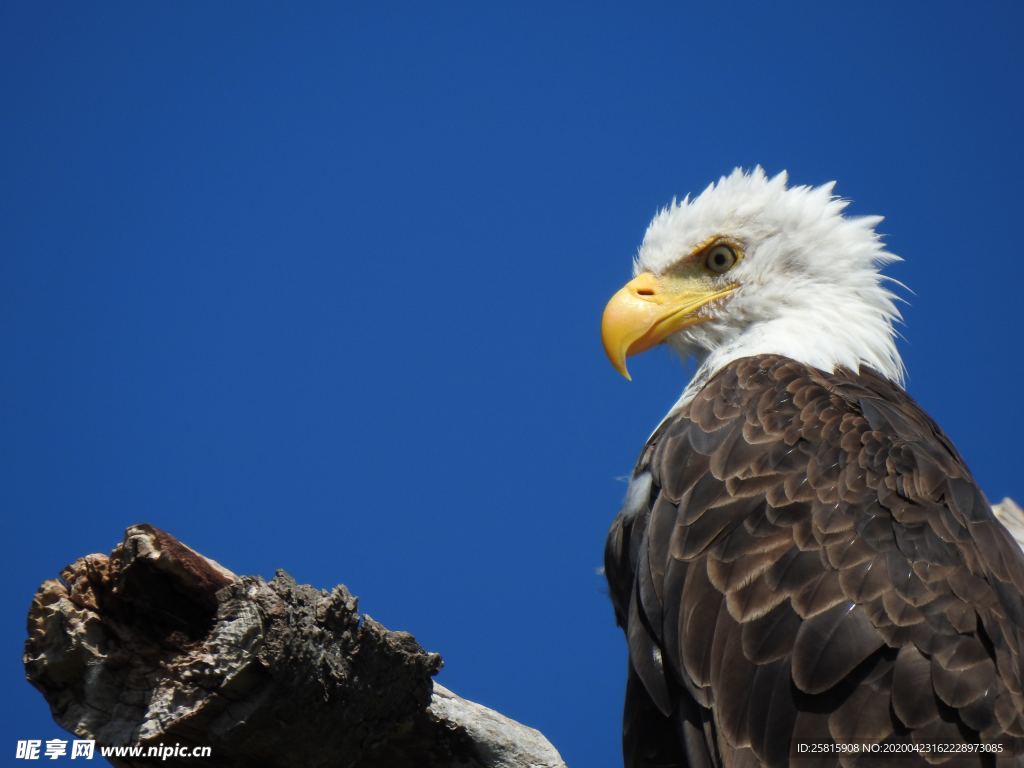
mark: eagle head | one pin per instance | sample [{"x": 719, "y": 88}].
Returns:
[{"x": 753, "y": 266}]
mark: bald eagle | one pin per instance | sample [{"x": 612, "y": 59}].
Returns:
[{"x": 803, "y": 566}]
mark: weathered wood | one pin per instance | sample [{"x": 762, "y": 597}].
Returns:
[
  {"x": 156, "y": 644},
  {"x": 1012, "y": 516}
]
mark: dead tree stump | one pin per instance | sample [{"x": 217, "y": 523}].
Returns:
[{"x": 156, "y": 644}]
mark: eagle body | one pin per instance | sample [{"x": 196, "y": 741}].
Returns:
[
  {"x": 806, "y": 572},
  {"x": 804, "y": 558}
]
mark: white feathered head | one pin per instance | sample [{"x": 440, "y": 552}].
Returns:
[{"x": 751, "y": 266}]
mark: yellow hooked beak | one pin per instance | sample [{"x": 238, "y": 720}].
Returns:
[{"x": 648, "y": 309}]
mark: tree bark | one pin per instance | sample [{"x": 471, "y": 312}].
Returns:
[{"x": 156, "y": 644}]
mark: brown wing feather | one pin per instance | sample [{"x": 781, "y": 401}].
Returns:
[{"x": 814, "y": 563}]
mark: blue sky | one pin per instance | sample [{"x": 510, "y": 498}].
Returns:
[{"x": 318, "y": 286}]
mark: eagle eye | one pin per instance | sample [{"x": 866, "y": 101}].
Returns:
[{"x": 721, "y": 258}]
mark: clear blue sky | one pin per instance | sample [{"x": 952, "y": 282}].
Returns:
[{"x": 318, "y": 286}]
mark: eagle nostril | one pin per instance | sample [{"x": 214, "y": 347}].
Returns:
[{"x": 644, "y": 292}]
